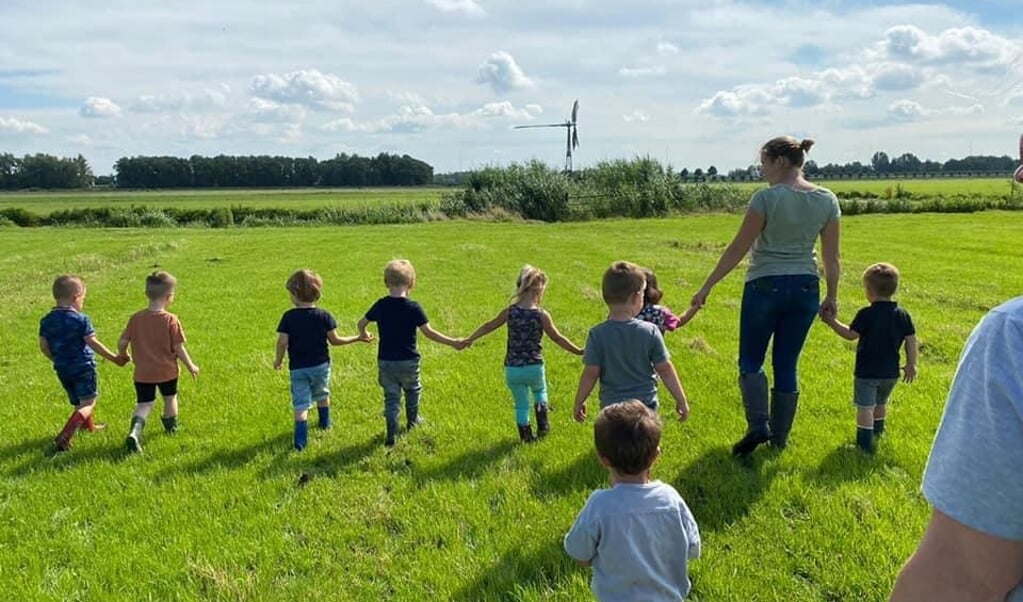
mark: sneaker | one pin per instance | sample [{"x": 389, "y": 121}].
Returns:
[{"x": 133, "y": 444}]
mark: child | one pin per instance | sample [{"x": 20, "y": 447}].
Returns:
[
  {"x": 397, "y": 319},
  {"x": 623, "y": 352},
  {"x": 304, "y": 332},
  {"x": 67, "y": 338},
  {"x": 639, "y": 535},
  {"x": 882, "y": 329},
  {"x": 659, "y": 315},
  {"x": 157, "y": 343},
  {"x": 523, "y": 361}
]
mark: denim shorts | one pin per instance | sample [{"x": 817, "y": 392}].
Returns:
[
  {"x": 79, "y": 385},
  {"x": 309, "y": 385},
  {"x": 870, "y": 392}
]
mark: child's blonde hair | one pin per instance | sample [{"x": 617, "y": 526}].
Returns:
[
  {"x": 531, "y": 281},
  {"x": 882, "y": 279},
  {"x": 305, "y": 285},
  {"x": 652, "y": 294},
  {"x": 622, "y": 280},
  {"x": 67, "y": 287},
  {"x": 159, "y": 285},
  {"x": 399, "y": 272}
]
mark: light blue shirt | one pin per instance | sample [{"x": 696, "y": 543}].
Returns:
[
  {"x": 793, "y": 219},
  {"x": 640, "y": 539},
  {"x": 975, "y": 471}
]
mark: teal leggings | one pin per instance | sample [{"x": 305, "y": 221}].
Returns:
[{"x": 521, "y": 380}]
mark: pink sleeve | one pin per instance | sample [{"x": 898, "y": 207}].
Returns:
[{"x": 671, "y": 321}]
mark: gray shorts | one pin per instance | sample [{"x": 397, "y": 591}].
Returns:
[{"x": 870, "y": 392}]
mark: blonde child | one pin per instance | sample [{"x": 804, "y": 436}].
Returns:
[
  {"x": 157, "y": 343},
  {"x": 881, "y": 330},
  {"x": 398, "y": 319},
  {"x": 523, "y": 361},
  {"x": 659, "y": 315},
  {"x": 304, "y": 332},
  {"x": 624, "y": 353},
  {"x": 68, "y": 339}
]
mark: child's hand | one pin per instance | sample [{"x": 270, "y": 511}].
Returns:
[
  {"x": 365, "y": 337},
  {"x": 461, "y": 344},
  {"x": 682, "y": 410},
  {"x": 122, "y": 360},
  {"x": 193, "y": 370},
  {"x": 580, "y": 412},
  {"x": 278, "y": 364},
  {"x": 908, "y": 373}
]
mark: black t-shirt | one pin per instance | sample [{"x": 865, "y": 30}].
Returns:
[
  {"x": 882, "y": 328},
  {"x": 307, "y": 329},
  {"x": 397, "y": 319}
]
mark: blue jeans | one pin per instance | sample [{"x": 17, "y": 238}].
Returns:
[
  {"x": 396, "y": 377},
  {"x": 522, "y": 380},
  {"x": 782, "y": 307},
  {"x": 309, "y": 385}
]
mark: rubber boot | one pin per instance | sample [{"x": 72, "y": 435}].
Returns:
[
  {"x": 543, "y": 425},
  {"x": 526, "y": 433},
  {"x": 783, "y": 413},
  {"x": 392, "y": 431},
  {"x": 754, "y": 399},
  {"x": 134, "y": 439}
]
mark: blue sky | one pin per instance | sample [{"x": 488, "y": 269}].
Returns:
[{"x": 693, "y": 83}]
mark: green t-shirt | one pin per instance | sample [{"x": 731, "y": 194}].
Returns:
[{"x": 793, "y": 221}]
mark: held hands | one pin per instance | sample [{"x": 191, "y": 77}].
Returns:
[
  {"x": 461, "y": 344},
  {"x": 698, "y": 301},
  {"x": 365, "y": 337},
  {"x": 829, "y": 310},
  {"x": 122, "y": 360},
  {"x": 909, "y": 373}
]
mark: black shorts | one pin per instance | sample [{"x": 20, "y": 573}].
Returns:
[{"x": 146, "y": 392}]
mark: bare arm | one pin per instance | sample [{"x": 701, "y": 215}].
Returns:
[
  {"x": 95, "y": 344},
  {"x": 832, "y": 266},
  {"x": 670, "y": 378},
  {"x": 752, "y": 225},
  {"x": 955, "y": 563},
  {"x": 281, "y": 349},
  {"x": 361, "y": 326},
  {"x": 186, "y": 359},
  {"x": 589, "y": 378},
  {"x": 44, "y": 346},
  {"x": 438, "y": 337},
  {"x": 335, "y": 339},
  {"x": 912, "y": 350},
  {"x": 841, "y": 329},
  {"x": 552, "y": 331},
  {"x": 488, "y": 327},
  {"x": 122, "y": 346}
]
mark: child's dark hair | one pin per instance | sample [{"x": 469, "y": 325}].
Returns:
[
  {"x": 305, "y": 285},
  {"x": 882, "y": 279},
  {"x": 652, "y": 294},
  {"x": 628, "y": 435},
  {"x": 159, "y": 285},
  {"x": 622, "y": 280}
]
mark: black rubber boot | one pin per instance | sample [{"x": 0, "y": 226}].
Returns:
[
  {"x": 783, "y": 413},
  {"x": 170, "y": 424},
  {"x": 543, "y": 425},
  {"x": 754, "y": 399},
  {"x": 526, "y": 433}
]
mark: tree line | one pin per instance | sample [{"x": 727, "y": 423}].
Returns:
[
  {"x": 43, "y": 171},
  {"x": 882, "y": 165}
]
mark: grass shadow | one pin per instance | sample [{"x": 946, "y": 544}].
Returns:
[
  {"x": 848, "y": 463},
  {"x": 545, "y": 569},
  {"x": 326, "y": 466},
  {"x": 42, "y": 453},
  {"x": 720, "y": 489},
  {"x": 234, "y": 458},
  {"x": 585, "y": 473},
  {"x": 469, "y": 465}
]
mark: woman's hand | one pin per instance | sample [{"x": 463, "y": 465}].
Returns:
[
  {"x": 829, "y": 309},
  {"x": 699, "y": 299}
]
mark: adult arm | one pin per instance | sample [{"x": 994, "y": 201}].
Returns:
[
  {"x": 552, "y": 331},
  {"x": 830, "y": 236},
  {"x": 751, "y": 227},
  {"x": 955, "y": 563}
]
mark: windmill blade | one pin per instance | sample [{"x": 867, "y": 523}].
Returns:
[
  {"x": 545, "y": 125},
  {"x": 575, "y": 138},
  {"x": 575, "y": 110}
]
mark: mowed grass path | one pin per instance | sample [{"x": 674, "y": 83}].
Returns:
[{"x": 458, "y": 510}]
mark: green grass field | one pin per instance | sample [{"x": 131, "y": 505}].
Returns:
[{"x": 459, "y": 510}]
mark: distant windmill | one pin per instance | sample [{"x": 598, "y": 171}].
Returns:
[{"x": 571, "y": 134}]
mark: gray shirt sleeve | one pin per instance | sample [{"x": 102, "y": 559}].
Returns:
[{"x": 973, "y": 473}]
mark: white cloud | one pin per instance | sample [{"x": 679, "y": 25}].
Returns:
[
  {"x": 162, "y": 103},
  {"x": 80, "y": 140},
  {"x": 99, "y": 107},
  {"x": 896, "y": 77},
  {"x": 502, "y": 73},
  {"x": 307, "y": 87},
  {"x": 267, "y": 111},
  {"x": 635, "y": 116},
  {"x": 908, "y": 110},
  {"x": 667, "y": 49},
  {"x": 506, "y": 109},
  {"x": 651, "y": 71},
  {"x": 12, "y": 125},
  {"x": 468, "y": 7},
  {"x": 966, "y": 45},
  {"x": 417, "y": 117}
]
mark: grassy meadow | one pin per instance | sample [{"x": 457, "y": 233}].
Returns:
[{"x": 458, "y": 510}]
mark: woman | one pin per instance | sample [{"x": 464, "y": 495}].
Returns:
[{"x": 781, "y": 297}]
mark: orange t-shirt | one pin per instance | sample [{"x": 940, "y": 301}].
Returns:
[{"x": 153, "y": 335}]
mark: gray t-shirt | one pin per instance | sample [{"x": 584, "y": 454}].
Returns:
[
  {"x": 640, "y": 539},
  {"x": 626, "y": 353},
  {"x": 975, "y": 471},
  {"x": 793, "y": 221}
]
